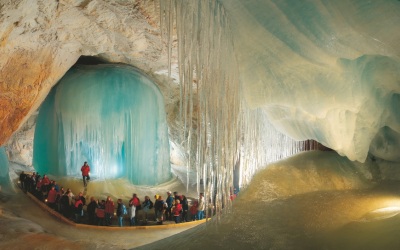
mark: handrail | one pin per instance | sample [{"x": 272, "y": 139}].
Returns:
[{"x": 113, "y": 227}]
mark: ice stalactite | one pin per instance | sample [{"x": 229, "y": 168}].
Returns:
[
  {"x": 220, "y": 133},
  {"x": 262, "y": 144},
  {"x": 111, "y": 116},
  {"x": 210, "y": 98}
]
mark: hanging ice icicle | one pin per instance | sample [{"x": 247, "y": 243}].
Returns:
[
  {"x": 210, "y": 95},
  {"x": 111, "y": 116},
  {"x": 218, "y": 131},
  {"x": 262, "y": 144}
]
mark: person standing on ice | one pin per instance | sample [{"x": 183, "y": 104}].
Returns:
[
  {"x": 201, "y": 206},
  {"x": 109, "y": 210},
  {"x": 170, "y": 203},
  {"x": 85, "y": 169},
  {"x": 132, "y": 213}
]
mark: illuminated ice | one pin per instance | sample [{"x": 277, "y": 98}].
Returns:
[
  {"x": 4, "y": 165},
  {"x": 323, "y": 70},
  {"x": 110, "y": 116}
]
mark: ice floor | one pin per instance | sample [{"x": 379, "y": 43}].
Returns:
[{"x": 306, "y": 202}]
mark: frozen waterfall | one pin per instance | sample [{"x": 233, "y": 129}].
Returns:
[
  {"x": 4, "y": 166},
  {"x": 111, "y": 116}
]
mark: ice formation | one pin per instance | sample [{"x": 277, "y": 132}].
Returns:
[
  {"x": 120, "y": 135},
  {"x": 221, "y": 134},
  {"x": 4, "y": 165},
  {"x": 323, "y": 70},
  {"x": 327, "y": 71}
]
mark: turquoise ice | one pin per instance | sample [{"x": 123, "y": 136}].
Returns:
[
  {"x": 4, "y": 166},
  {"x": 111, "y": 116}
]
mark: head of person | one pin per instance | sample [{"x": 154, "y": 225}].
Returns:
[
  {"x": 169, "y": 193},
  {"x": 177, "y": 201}
]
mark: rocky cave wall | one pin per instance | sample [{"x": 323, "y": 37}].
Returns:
[{"x": 41, "y": 40}]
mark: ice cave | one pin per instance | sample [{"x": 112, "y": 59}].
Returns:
[{"x": 294, "y": 103}]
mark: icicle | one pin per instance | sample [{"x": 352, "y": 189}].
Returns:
[
  {"x": 120, "y": 135},
  {"x": 218, "y": 131},
  {"x": 210, "y": 105}
]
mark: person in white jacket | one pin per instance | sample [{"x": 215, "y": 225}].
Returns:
[
  {"x": 132, "y": 213},
  {"x": 201, "y": 207}
]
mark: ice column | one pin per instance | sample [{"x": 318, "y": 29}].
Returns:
[
  {"x": 219, "y": 131},
  {"x": 4, "y": 174},
  {"x": 110, "y": 116},
  {"x": 210, "y": 92}
]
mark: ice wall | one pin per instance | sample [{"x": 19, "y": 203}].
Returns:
[
  {"x": 111, "y": 116},
  {"x": 323, "y": 70},
  {"x": 4, "y": 168}
]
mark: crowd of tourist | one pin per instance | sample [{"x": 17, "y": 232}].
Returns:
[{"x": 175, "y": 207}]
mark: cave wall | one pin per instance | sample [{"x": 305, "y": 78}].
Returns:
[{"x": 41, "y": 40}]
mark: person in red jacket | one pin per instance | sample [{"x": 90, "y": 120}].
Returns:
[
  {"x": 109, "y": 210},
  {"x": 51, "y": 198},
  {"x": 193, "y": 211},
  {"x": 100, "y": 213},
  {"x": 45, "y": 184},
  {"x": 177, "y": 210},
  {"x": 85, "y": 169}
]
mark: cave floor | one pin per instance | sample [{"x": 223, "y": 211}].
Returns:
[{"x": 24, "y": 225}]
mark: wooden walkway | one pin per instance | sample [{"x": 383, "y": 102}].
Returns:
[{"x": 113, "y": 227}]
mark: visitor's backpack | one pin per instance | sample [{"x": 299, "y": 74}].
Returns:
[
  {"x": 151, "y": 205},
  {"x": 164, "y": 205},
  {"x": 124, "y": 210}
]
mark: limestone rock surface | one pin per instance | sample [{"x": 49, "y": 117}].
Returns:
[{"x": 40, "y": 41}]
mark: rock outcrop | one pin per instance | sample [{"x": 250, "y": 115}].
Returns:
[{"x": 41, "y": 40}]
